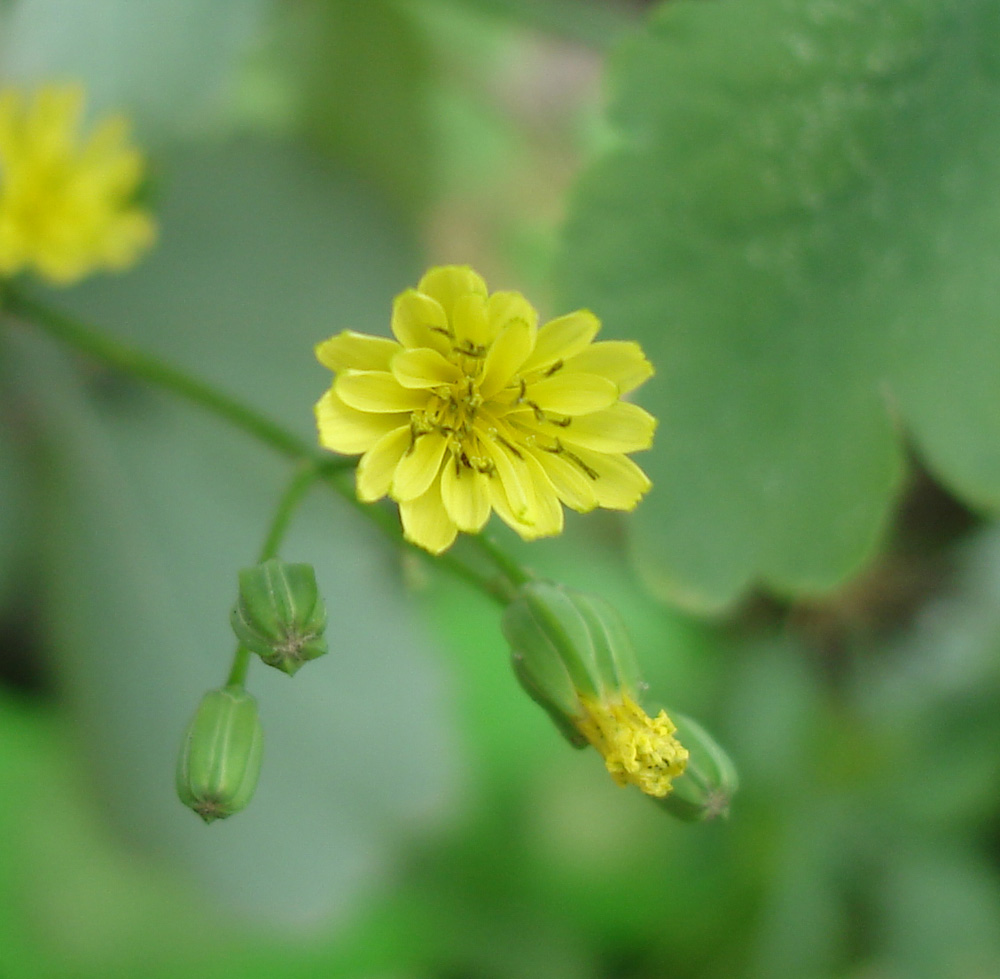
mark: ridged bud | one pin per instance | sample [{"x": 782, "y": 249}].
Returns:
[
  {"x": 572, "y": 654},
  {"x": 220, "y": 756},
  {"x": 710, "y": 780},
  {"x": 279, "y": 614}
]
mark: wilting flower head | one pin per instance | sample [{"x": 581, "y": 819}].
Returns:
[
  {"x": 66, "y": 203},
  {"x": 572, "y": 654},
  {"x": 474, "y": 408}
]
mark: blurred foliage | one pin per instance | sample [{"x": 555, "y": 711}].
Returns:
[
  {"x": 805, "y": 235},
  {"x": 791, "y": 205}
]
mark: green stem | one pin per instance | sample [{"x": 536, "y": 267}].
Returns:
[
  {"x": 290, "y": 499},
  {"x": 505, "y": 564},
  {"x": 238, "y": 671},
  {"x": 139, "y": 364},
  {"x": 388, "y": 523}
]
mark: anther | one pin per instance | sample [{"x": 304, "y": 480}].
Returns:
[{"x": 512, "y": 448}]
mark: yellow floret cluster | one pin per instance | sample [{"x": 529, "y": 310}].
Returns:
[
  {"x": 637, "y": 749},
  {"x": 475, "y": 408},
  {"x": 66, "y": 202}
]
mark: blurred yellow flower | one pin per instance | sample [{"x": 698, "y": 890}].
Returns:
[
  {"x": 473, "y": 408},
  {"x": 637, "y": 749},
  {"x": 66, "y": 203}
]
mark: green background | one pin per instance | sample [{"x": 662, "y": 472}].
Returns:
[{"x": 793, "y": 207}]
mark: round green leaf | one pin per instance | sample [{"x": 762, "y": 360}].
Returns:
[{"x": 799, "y": 221}]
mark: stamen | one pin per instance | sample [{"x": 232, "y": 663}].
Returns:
[
  {"x": 469, "y": 349},
  {"x": 557, "y": 366},
  {"x": 587, "y": 470},
  {"x": 499, "y": 438},
  {"x": 637, "y": 749}
]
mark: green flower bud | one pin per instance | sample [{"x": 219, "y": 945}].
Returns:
[
  {"x": 566, "y": 644},
  {"x": 572, "y": 654},
  {"x": 279, "y": 614},
  {"x": 220, "y": 757},
  {"x": 709, "y": 782}
]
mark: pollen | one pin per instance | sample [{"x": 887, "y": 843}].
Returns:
[{"x": 637, "y": 749}]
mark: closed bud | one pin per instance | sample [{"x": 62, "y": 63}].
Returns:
[
  {"x": 709, "y": 782},
  {"x": 572, "y": 654},
  {"x": 220, "y": 757},
  {"x": 279, "y": 614}
]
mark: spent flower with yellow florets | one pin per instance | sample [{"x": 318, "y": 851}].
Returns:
[
  {"x": 475, "y": 408},
  {"x": 572, "y": 654},
  {"x": 66, "y": 203}
]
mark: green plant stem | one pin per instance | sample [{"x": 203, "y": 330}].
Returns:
[
  {"x": 295, "y": 492},
  {"x": 139, "y": 364},
  {"x": 238, "y": 671},
  {"x": 514, "y": 574}
]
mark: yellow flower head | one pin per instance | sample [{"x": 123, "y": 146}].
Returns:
[
  {"x": 474, "y": 408},
  {"x": 66, "y": 203},
  {"x": 637, "y": 749}
]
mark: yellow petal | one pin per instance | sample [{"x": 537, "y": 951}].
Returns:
[
  {"x": 348, "y": 430},
  {"x": 621, "y": 361},
  {"x": 447, "y": 283},
  {"x": 419, "y": 466},
  {"x": 563, "y": 338},
  {"x": 356, "y": 351},
  {"x": 623, "y": 427},
  {"x": 472, "y": 329},
  {"x": 54, "y": 117},
  {"x": 466, "y": 496},
  {"x": 572, "y": 394},
  {"x": 419, "y": 321},
  {"x": 423, "y": 368},
  {"x": 377, "y": 391},
  {"x": 574, "y": 487},
  {"x": 547, "y": 513},
  {"x": 501, "y": 503},
  {"x": 515, "y": 477},
  {"x": 620, "y": 483},
  {"x": 126, "y": 236},
  {"x": 426, "y": 522},
  {"x": 506, "y": 356},
  {"x": 505, "y": 307},
  {"x": 378, "y": 464}
]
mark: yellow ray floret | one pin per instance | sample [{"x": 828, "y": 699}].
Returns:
[
  {"x": 66, "y": 203},
  {"x": 474, "y": 408},
  {"x": 637, "y": 749}
]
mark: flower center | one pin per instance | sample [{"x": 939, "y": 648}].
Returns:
[
  {"x": 637, "y": 749},
  {"x": 454, "y": 410}
]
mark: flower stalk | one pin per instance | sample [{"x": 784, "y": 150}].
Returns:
[{"x": 143, "y": 366}]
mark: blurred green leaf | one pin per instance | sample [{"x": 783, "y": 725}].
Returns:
[
  {"x": 72, "y": 902},
  {"x": 584, "y": 21},
  {"x": 799, "y": 221},
  {"x": 364, "y": 71},
  {"x": 942, "y": 911},
  {"x": 154, "y": 508},
  {"x": 14, "y": 523},
  {"x": 168, "y": 61}
]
